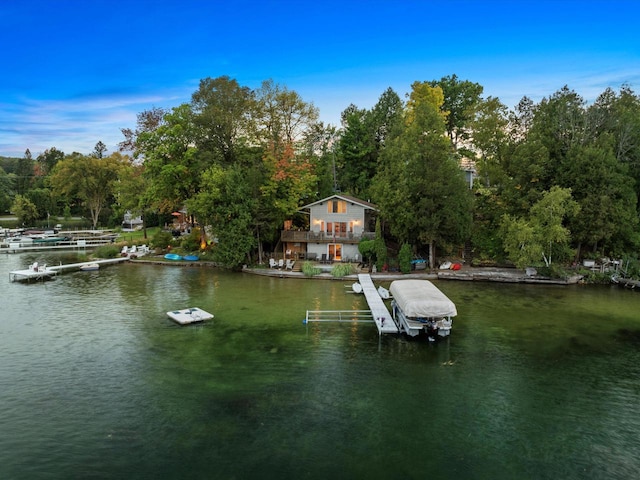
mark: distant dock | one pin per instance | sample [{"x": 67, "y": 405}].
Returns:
[{"x": 43, "y": 272}]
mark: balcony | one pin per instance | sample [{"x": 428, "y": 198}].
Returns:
[{"x": 321, "y": 237}]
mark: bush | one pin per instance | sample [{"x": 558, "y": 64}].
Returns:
[
  {"x": 191, "y": 243},
  {"x": 107, "y": 251},
  {"x": 341, "y": 270},
  {"x": 161, "y": 240},
  {"x": 309, "y": 269},
  {"x": 404, "y": 258}
]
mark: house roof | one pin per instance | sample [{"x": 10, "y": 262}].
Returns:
[
  {"x": 468, "y": 164},
  {"x": 346, "y": 198}
]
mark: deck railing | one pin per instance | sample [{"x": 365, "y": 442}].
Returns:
[{"x": 321, "y": 237}]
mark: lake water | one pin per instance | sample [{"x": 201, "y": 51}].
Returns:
[{"x": 536, "y": 382}]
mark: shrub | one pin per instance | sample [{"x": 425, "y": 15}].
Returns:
[
  {"x": 341, "y": 270},
  {"x": 309, "y": 269},
  {"x": 404, "y": 258},
  {"x": 107, "y": 251},
  {"x": 161, "y": 240},
  {"x": 191, "y": 243}
]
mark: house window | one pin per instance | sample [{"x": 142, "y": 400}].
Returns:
[{"x": 337, "y": 206}]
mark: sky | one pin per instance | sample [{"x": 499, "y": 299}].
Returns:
[{"x": 75, "y": 72}]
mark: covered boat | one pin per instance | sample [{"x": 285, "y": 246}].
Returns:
[{"x": 418, "y": 305}]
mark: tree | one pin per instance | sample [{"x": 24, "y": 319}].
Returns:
[
  {"x": 380, "y": 247},
  {"x": 226, "y": 202},
  {"x": 90, "y": 179},
  {"x": 490, "y": 137},
  {"x": 602, "y": 187},
  {"x": 48, "y": 159},
  {"x": 461, "y": 99},
  {"x": 541, "y": 236},
  {"x": 363, "y": 138},
  {"x": 172, "y": 164},
  {"x": 24, "y": 173},
  {"x": 420, "y": 190},
  {"x": 6, "y": 190},
  {"x": 320, "y": 147},
  {"x": 283, "y": 115},
  {"x": 24, "y": 210},
  {"x": 146, "y": 121},
  {"x": 99, "y": 150},
  {"x": 224, "y": 114}
]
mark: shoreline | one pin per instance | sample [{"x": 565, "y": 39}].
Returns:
[{"x": 477, "y": 274}]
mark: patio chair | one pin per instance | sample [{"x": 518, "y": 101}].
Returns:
[
  {"x": 280, "y": 263},
  {"x": 290, "y": 264},
  {"x": 323, "y": 258},
  {"x": 272, "y": 263}
]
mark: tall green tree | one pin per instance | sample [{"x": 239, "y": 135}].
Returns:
[
  {"x": 461, "y": 99},
  {"x": 224, "y": 116},
  {"x": 363, "y": 138},
  {"x": 602, "y": 187},
  {"x": 173, "y": 166},
  {"x": 420, "y": 190},
  {"x": 227, "y": 203}
]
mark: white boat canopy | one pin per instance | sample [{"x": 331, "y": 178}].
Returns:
[{"x": 421, "y": 299}]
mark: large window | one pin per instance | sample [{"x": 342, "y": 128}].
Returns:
[{"x": 337, "y": 206}]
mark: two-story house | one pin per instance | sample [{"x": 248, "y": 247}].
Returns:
[{"x": 336, "y": 226}]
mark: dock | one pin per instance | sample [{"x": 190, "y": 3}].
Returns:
[
  {"x": 379, "y": 310},
  {"x": 377, "y": 313},
  {"x": 42, "y": 272}
]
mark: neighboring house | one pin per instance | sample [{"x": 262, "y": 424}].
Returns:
[
  {"x": 131, "y": 223},
  {"x": 336, "y": 226},
  {"x": 468, "y": 166}
]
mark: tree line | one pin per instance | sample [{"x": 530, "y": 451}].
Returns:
[{"x": 554, "y": 181}]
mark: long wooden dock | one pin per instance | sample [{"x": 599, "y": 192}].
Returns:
[
  {"x": 45, "y": 271},
  {"x": 379, "y": 311}
]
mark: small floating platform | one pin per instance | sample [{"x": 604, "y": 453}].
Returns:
[
  {"x": 189, "y": 315},
  {"x": 35, "y": 271}
]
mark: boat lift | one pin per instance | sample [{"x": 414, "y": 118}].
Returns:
[{"x": 377, "y": 313}]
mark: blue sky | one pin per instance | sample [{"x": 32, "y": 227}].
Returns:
[{"x": 74, "y": 72}]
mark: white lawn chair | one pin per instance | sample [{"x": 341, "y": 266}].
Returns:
[
  {"x": 290, "y": 264},
  {"x": 281, "y": 263},
  {"x": 272, "y": 263}
]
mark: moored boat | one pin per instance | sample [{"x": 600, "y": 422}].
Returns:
[
  {"x": 90, "y": 267},
  {"x": 173, "y": 256},
  {"x": 419, "y": 306}
]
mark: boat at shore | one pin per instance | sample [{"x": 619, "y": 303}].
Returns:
[{"x": 419, "y": 306}]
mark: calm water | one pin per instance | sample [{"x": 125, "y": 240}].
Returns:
[{"x": 97, "y": 383}]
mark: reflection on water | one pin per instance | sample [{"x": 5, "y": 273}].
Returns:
[{"x": 96, "y": 381}]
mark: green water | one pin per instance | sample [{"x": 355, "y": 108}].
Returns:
[{"x": 96, "y": 382}]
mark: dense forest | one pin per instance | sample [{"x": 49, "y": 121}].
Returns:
[{"x": 553, "y": 182}]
